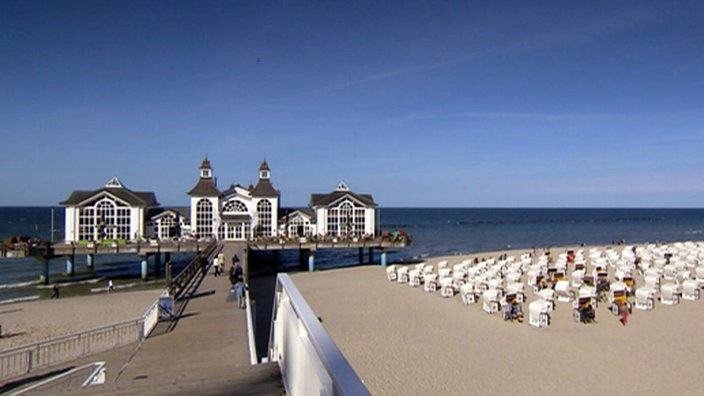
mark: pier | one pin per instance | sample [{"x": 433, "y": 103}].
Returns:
[{"x": 159, "y": 251}]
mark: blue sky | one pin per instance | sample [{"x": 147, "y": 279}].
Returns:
[{"x": 419, "y": 103}]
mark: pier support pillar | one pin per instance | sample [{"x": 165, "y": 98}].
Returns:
[
  {"x": 311, "y": 260},
  {"x": 145, "y": 266},
  {"x": 44, "y": 270},
  {"x": 371, "y": 255},
  {"x": 383, "y": 257},
  {"x": 361, "y": 256},
  {"x": 90, "y": 261},
  {"x": 157, "y": 265},
  {"x": 70, "y": 259}
]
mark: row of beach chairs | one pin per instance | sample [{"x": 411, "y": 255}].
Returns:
[{"x": 574, "y": 277}]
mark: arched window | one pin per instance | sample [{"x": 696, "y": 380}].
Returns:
[
  {"x": 235, "y": 206},
  {"x": 105, "y": 219},
  {"x": 346, "y": 219},
  {"x": 204, "y": 218},
  {"x": 264, "y": 217},
  {"x": 167, "y": 228}
]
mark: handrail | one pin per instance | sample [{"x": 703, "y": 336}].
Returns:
[
  {"x": 294, "y": 331},
  {"x": 30, "y": 357}
]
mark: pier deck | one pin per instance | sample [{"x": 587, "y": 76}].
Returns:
[{"x": 207, "y": 353}]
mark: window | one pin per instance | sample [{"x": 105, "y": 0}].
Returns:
[
  {"x": 346, "y": 219},
  {"x": 204, "y": 218},
  {"x": 167, "y": 227},
  {"x": 264, "y": 218},
  {"x": 235, "y": 206}
]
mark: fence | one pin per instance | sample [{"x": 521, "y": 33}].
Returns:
[
  {"x": 24, "y": 359},
  {"x": 309, "y": 360}
]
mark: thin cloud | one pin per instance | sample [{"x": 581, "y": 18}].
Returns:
[{"x": 535, "y": 43}]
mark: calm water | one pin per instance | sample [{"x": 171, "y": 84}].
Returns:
[{"x": 435, "y": 232}]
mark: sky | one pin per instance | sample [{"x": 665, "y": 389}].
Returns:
[{"x": 419, "y": 103}]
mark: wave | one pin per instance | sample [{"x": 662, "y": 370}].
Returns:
[
  {"x": 18, "y": 285},
  {"x": 124, "y": 286},
  {"x": 19, "y": 299},
  {"x": 67, "y": 284}
]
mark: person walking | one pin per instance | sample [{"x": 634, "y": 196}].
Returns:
[
  {"x": 111, "y": 287},
  {"x": 55, "y": 291}
]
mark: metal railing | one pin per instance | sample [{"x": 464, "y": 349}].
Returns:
[
  {"x": 309, "y": 360},
  {"x": 27, "y": 358}
]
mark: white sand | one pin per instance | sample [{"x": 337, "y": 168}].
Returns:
[
  {"x": 402, "y": 340},
  {"x": 28, "y": 322}
]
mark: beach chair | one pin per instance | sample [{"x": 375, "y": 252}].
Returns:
[
  {"x": 402, "y": 275},
  {"x": 512, "y": 309},
  {"x": 490, "y": 301},
  {"x": 549, "y": 296},
  {"x": 517, "y": 288},
  {"x": 391, "y": 273},
  {"x": 670, "y": 294},
  {"x": 446, "y": 287},
  {"x": 645, "y": 298},
  {"x": 690, "y": 289},
  {"x": 618, "y": 298},
  {"x": 414, "y": 277},
  {"x": 539, "y": 313},
  {"x": 577, "y": 277},
  {"x": 468, "y": 294},
  {"x": 442, "y": 265},
  {"x": 563, "y": 292},
  {"x": 444, "y": 272},
  {"x": 699, "y": 273},
  {"x": 458, "y": 279},
  {"x": 652, "y": 282},
  {"x": 431, "y": 283},
  {"x": 583, "y": 311},
  {"x": 587, "y": 291}
]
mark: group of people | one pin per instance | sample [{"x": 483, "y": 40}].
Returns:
[{"x": 236, "y": 276}]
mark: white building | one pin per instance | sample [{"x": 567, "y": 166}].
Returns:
[
  {"x": 111, "y": 212},
  {"x": 343, "y": 213},
  {"x": 237, "y": 213}
]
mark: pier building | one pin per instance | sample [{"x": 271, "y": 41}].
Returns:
[{"x": 114, "y": 212}]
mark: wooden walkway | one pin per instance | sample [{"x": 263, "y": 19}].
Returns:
[{"x": 207, "y": 353}]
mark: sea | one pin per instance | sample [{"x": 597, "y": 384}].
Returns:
[{"x": 435, "y": 232}]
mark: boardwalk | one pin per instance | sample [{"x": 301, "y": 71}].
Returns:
[{"x": 206, "y": 354}]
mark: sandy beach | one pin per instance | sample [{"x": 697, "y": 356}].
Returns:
[
  {"x": 402, "y": 340},
  {"x": 27, "y": 322}
]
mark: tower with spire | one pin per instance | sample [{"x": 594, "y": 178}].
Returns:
[{"x": 205, "y": 203}]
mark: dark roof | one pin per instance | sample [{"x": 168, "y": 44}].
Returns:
[
  {"x": 329, "y": 199},
  {"x": 264, "y": 166},
  {"x": 133, "y": 198},
  {"x": 231, "y": 190},
  {"x": 205, "y": 164},
  {"x": 204, "y": 188},
  {"x": 264, "y": 189}
]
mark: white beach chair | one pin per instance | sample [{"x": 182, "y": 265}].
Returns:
[
  {"x": 539, "y": 313},
  {"x": 547, "y": 295},
  {"x": 699, "y": 273},
  {"x": 414, "y": 277},
  {"x": 442, "y": 265},
  {"x": 690, "y": 289},
  {"x": 391, "y": 273},
  {"x": 468, "y": 294},
  {"x": 458, "y": 279},
  {"x": 670, "y": 294},
  {"x": 577, "y": 277},
  {"x": 490, "y": 301},
  {"x": 645, "y": 298},
  {"x": 431, "y": 283},
  {"x": 652, "y": 281},
  {"x": 587, "y": 291},
  {"x": 446, "y": 288},
  {"x": 618, "y": 297},
  {"x": 563, "y": 292},
  {"x": 402, "y": 275},
  {"x": 517, "y": 288}
]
